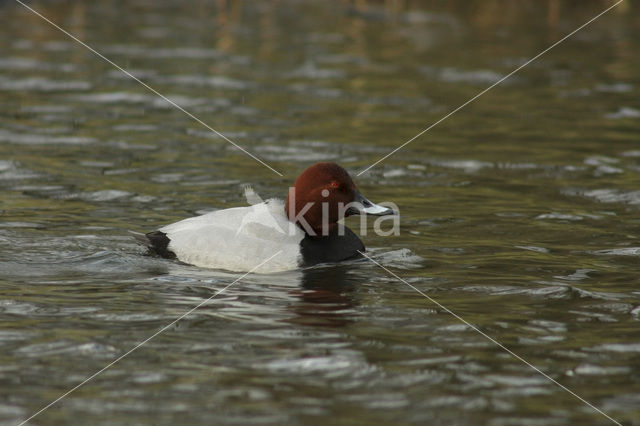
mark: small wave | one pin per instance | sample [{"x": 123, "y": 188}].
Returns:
[
  {"x": 10, "y": 170},
  {"x": 311, "y": 71},
  {"x": 455, "y": 75},
  {"x": 166, "y": 52},
  {"x": 626, "y": 251},
  {"x": 295, "y": 153},
  {"x": 534, "y": 248},
  {"x": 618, "y": 347},
  {"x": 401, "y": 258},
  {"x": 614, "y": 196},
  {"x": 21, "y": 64},
  {"x": 215, "y": 81},
  {"x": 139, "y": 98},
  {"x": 558, "y": 216},
  {"x": 623, "y": 112},
  {"x": 614, "y": 88},
  {"x": 38, "y": 84},
  {"x": 102, "y": 195},
  {"x": 37, "y": 139}
]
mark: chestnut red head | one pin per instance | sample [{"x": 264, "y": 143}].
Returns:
[{"x": 321, "y": 193}]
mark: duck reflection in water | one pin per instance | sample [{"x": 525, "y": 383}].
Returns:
[
  {"x": 323, "y": 295},
  {"x": 327, "y": 297}
]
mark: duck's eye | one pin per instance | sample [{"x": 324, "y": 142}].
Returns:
[{"x": 334, "y": 184}]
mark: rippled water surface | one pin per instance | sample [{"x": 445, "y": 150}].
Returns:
[{"x": 520, "y": 213}]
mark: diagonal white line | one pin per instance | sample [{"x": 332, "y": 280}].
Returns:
[
  {"x": 473, "y": 327},
  {"x": 492, "y": 86},
  {"x": 154, "y": 91},
  {"x": 144, "y": 341}
]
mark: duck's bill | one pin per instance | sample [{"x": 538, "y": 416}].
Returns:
[{"x": 361, "y": 205}]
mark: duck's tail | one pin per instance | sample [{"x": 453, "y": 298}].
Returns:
[{"x": 157, "y": 242}]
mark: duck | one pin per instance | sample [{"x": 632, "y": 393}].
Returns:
[{"x": 303, "y": 230}]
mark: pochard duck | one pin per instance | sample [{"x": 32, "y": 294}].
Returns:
[{"x": 304, "y": 229}]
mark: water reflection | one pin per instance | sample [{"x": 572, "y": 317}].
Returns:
[
  {"x": 324, "y": 296},
  {"x": 327, "y": 297}
]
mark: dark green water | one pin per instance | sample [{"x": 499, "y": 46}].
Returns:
[{"x": 520, "y": 213}]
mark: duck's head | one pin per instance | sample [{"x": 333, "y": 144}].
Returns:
[{"x": 323, "y": 194}]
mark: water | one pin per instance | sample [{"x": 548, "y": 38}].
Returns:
[{"x": 519, "y": 213}]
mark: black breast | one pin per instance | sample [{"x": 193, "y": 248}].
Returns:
[{"x": 330, "y": 248}]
